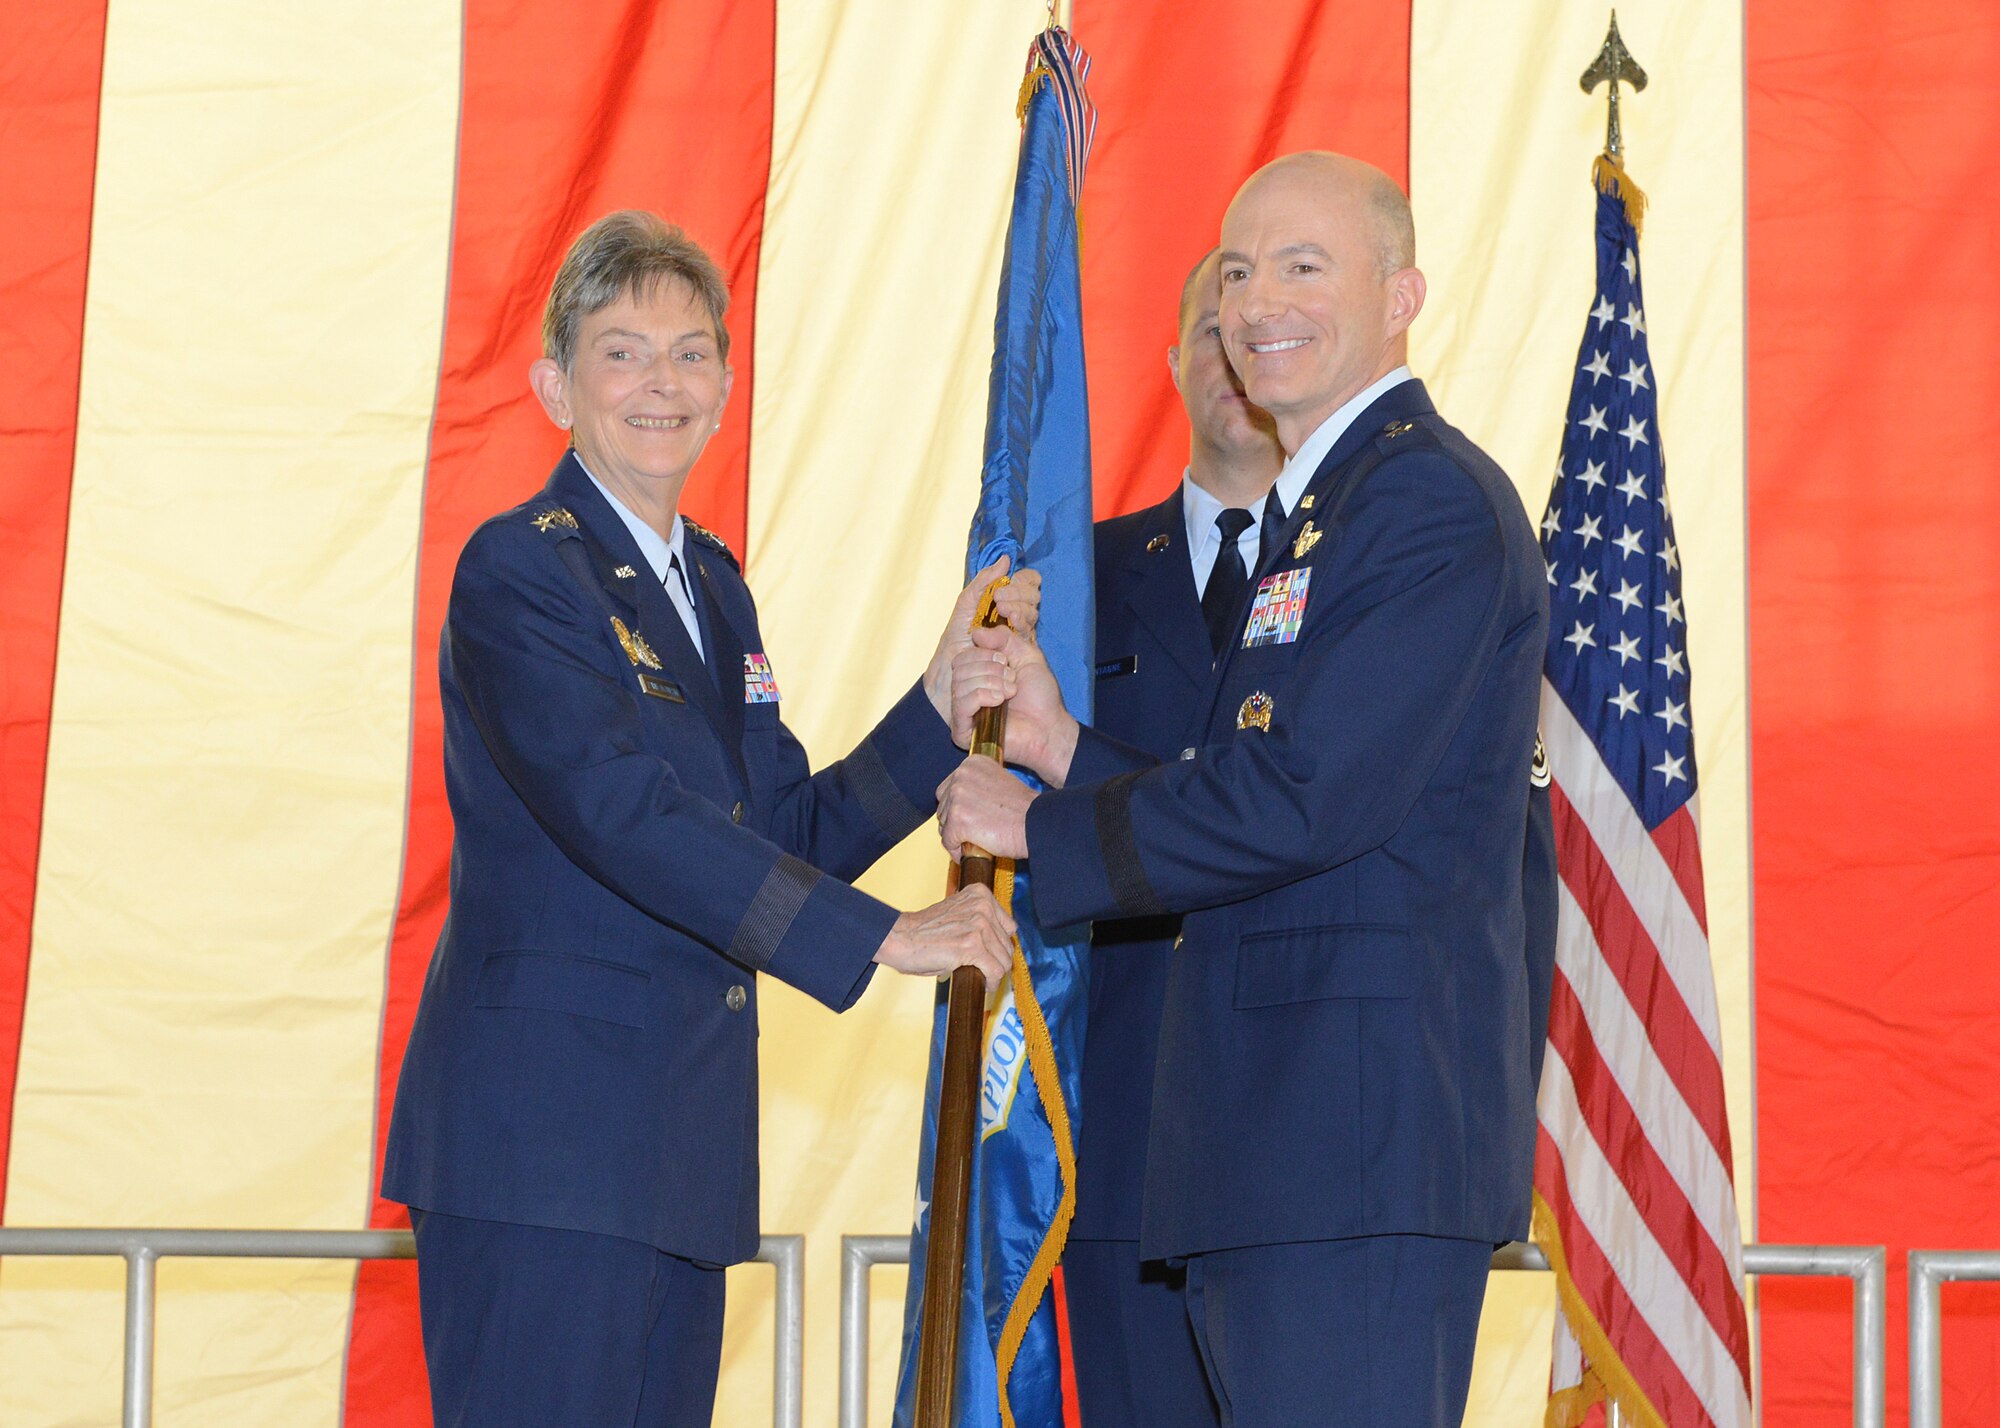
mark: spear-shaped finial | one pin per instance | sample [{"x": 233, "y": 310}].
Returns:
[{"x": 1614, "y": 62}]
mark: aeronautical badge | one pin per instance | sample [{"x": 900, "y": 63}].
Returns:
[
  {"x": 634, "y": 644},
  {"x": 1157, "y": 544},
  {"x": 760, "y": 686},
  {"x": 1538, "y": 771},
  {"x": 555, "y": 516},
  {"x": 1308, "y": 538},
  {"x": 1279, "y": 610},
  {"x": 1255, "y": 712}
]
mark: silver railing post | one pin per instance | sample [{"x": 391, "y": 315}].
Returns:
[
  {"x": 787, "y": 1255},
  {"x": 859, "y": 1254},
  {"x": 1928, "y": 1271},
  {"x": 141, "y": 1265}
]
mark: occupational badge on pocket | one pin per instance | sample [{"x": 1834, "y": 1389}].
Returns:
[
  {"x": 760, "y": 686},
  {"x": 1255, "y": 712},
  {"x": 1279, "y": 610}
]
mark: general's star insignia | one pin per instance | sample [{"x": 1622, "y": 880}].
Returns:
[
  {"x": 1157, "y": 544},
  {"x": 1308, "y": 538},
  {"x": 1398, "y": 428},
  {"x": 555, "y": 516},
  {"x": 1255, "y": 712},
  {"x": 634, "y": 644}
]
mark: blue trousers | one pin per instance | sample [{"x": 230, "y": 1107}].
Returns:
[
  {"x": 1375, "y": 1331},
  {"x": 1137, "y": 1363},
  {"x": 526, "y": 1327}
]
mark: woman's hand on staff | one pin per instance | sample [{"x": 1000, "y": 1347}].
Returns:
[
  {"x": 967, "y": 929},
  {"x": 1019, "y": 602}
]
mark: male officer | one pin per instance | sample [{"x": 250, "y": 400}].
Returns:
[
  {"x": 1169, "y": 582},
  {"x": 1344, "y": 1118}
]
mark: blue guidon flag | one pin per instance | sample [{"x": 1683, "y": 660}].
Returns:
[{"x": 1034, "y": 505}]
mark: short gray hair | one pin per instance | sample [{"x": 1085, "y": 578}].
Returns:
[{"x": 629, "y": 252}]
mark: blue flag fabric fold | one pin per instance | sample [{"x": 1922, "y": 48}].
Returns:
[{"x": 1035, "y": 506}]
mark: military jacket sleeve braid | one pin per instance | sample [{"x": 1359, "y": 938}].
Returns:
[
  {"x": 529, "y": 656},
  {"x": 1406, "y": 597}
]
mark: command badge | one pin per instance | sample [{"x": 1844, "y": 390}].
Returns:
[
  {"x": 1308, "y": 538},
  {"x": 1255, "y": 712},
  {"x": 634, "y": 644},
  {"x": 555, "y": 516},
  {"x": 1279, "y": 610},
  {"x": 760, "y": 686},
  {"x": 1538, "y": 771}
]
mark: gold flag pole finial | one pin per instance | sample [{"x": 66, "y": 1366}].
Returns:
[{"x": 1613, "y": 63}]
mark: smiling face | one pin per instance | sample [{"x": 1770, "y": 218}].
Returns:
[
  {"x": 1223, "y": 421},
  {"x": 1314, "y": 304},
  {"x": 644, "y": 393}
]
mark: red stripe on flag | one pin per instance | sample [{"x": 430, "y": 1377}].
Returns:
[
  {"x": 48, "y": 170},
  {"x": 1680, "y": 845},
  {"x": 1679, "y": 1231},
  {"x": 1630, "y": 952},
  {"x": 1640, "y": 1350},
  {"x": 1169, "y": 156},
  {"x": 1072, "y": 1402},
  {"x": 567, "y": 114}
]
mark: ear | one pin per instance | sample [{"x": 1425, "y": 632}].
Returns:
[
  {"x": 1406, "y": 299},
  {"x": 1174, "y": 366},
  {"x": 728, "y": 386},
  {"x": 551, "y": 389}
]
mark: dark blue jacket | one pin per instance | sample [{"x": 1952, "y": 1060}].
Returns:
[
  {"x": 634, "y": 841},
  {"x": 1348, "y": 1044},
  {"x": 1153, "y": 661}
]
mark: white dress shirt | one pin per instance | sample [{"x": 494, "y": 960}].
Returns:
[
  {"x": 667, "y": 558},
  {"x": 1299, "y": 469}
]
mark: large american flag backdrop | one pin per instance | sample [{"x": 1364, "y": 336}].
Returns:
[
  {"x": 1635, "y": 1199},
  {"x": 269, "y": 283}
]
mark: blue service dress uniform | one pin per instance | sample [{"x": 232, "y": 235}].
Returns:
[
  {"x": 1344, "y": 1113},
  {"x": 637, "y": 836},
  {"x": 1137, "y": 1363}
]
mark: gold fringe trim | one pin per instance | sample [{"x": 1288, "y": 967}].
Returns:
[
  {"x": 1611, "y": 178},
  {"x": 1605, "y": 1366},
  {"x": 1048, "y": 1084},
  {"x": 1029, "y": 85}
]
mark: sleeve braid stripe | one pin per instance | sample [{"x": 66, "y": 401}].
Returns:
[
  {"x": 886, "y": 805},
  {"x": 772, "y": 912},
  {"x": 1115, "y": 840}
]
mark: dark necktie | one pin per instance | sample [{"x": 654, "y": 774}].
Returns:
[
  {"x": 1271, "y": 529},
  {"x": 1226, "y": 581},
  {"x": 677, "y": 577}
]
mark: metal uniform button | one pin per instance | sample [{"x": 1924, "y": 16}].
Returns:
[
  {"x": 736, "y": 998},
  {"x": 736, "y": 813},
  {"x": 1188, "y": 752},
  {"x": 1177, "y": 941}
]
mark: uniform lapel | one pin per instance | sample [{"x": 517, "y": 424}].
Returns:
[
  {"x": 1159, "y": 587},
  {"x": 718, "y": 631}
]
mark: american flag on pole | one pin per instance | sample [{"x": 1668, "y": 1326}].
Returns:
[{"x": 1635, "y": 1200}]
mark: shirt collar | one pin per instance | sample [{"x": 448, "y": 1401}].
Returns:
[
  {"x": 659, "y": 553},
  {"x": 1298, "y": 472},
  {"x": 1200, "y": 507}
]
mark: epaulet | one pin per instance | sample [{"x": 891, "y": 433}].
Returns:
[
  {"x": 1404, "y": 434},
  {"x": 713, "y": 541},
  {"x": 550, "y": 520}
]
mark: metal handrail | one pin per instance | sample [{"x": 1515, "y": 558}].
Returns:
[
  {"x": 141, "y": 1249},
  {"x": 1866, "y": 1265},
  {"x": 1928, "y": 1271}
]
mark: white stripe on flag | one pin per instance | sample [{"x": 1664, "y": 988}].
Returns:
[
  {"x": 1635, "y": 860},
  {"x": 1671, "y": 1128},
  {"x": 1650, "y": 1279}
]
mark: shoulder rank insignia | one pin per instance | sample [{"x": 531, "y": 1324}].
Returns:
[
  {"x": 625, "y": 572},
  {"x": 1308, "y": 538},
  {"x": 634, "y": 644},
  {"x": 710, "y": 539},
  {"x": 1538, "y": 771},
  {"x": 1157, "y": 544},
  {"x": 1398, "y": 428},
  {"x": 1255, "y": 712},
  {"x": 555, "y": 516}
]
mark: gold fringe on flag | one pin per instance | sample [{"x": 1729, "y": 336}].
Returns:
[
  {"x": 1612, "y": 179},
  {"x": 1607, "y": 1374}
]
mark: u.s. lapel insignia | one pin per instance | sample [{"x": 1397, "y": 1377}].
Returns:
[
  {"x": 1398, "y": 428},
  {"x": 1157, "y": 544},
  {"x": 625, "y": 572},
  {"x": 1255, "y": 712},
  {"x": 1538, "y": 771},
  {"x": 1306, "y": 501},
  {"x": 1308, "y": 538},
  {"x": 634, "y": 644},
  {"x": 555, "y": 516}
]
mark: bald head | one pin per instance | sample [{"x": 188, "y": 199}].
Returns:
[
  {"x": 1319, "y": 285},
  {"x": 1373, "y": 200}
]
